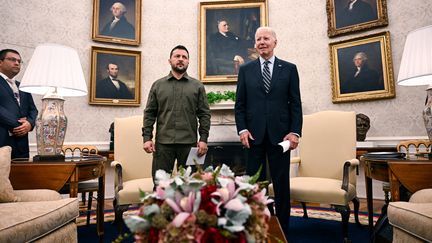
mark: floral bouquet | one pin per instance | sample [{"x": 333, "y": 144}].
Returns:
[{"x": 207, "y": 206}]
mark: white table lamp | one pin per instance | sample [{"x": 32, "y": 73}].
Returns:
[
  {"x": 416, "y": 67},
  {"x": 54, "y": 71}
]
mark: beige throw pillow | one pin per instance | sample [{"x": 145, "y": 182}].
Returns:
[{"x": 6, "y": 190}]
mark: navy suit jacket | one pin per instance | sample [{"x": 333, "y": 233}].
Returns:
[
  {"x": 278, "y": 112},
  {"x": 10, "y": 112}
]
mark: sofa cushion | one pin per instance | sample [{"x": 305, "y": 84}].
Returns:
[
  {"x": 35, "y": 195},
  {"x": 422, "y": 196},
  {"x": 6, "y": 190},
  {"x": 27, "y": 221},
  {"x": 413, "y": 218}
]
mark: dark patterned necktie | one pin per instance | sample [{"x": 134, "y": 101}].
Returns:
[{"x": 266, "y": 76}]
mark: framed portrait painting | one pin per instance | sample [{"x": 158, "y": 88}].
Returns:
[
  {"x": 347, "y": 16},
  {"x": 115, "y": 77},
  {"x": 117, "y": 21},
  {"x": 227, "y": 37},
  {"x": 361, "y": 68}
]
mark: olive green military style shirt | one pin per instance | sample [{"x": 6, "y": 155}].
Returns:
[{"x": 175, "y": 106}]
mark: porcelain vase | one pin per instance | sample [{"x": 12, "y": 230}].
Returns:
[
  {"x": 51, "y": 126},
  {"x": 427, "y": 113}
]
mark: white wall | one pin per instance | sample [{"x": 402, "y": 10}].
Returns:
[{"x": 302, "y": 38}]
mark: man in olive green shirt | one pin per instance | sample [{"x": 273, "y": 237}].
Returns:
[{"x": 175, "y": 102}]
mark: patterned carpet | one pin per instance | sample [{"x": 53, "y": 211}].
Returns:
[{"x": 323, "y": 226}]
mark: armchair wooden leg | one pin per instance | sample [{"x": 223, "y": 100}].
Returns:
[
  {"x": 118, "y": 215},
  {"x": 83, "y": 197},
  {"x": 345, "y": 213},
  {"x": 356, "y": 203},
  {"x": 89, "y": 206},
  {"x": 305, "y": 215}
]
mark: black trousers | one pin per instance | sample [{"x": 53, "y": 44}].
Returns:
[
  {"x": 166, "y": 154},
  {"x": 279, "y": 165}
]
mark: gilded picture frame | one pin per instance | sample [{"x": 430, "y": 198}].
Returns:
[
  {"x": 227, "y": 37},
  {"x": 117, "y": 22},
  {"x": 344, "y": 17},
  {"x": 115, "y": 77},
  {"x": 362, "y": 69}
]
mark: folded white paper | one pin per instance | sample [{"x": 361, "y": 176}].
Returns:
[
  {"x": 285, "y": 145},
  {"x": 193, "y": 155}
]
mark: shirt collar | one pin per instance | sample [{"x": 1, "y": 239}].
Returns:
[
  {"x": 271, "y": 59},
  {"x": 185, "y": 76},
  {"x": 6, "y": 77}
]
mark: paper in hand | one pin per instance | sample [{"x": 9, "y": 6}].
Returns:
[
  {"x": 193, "y": 155},
  {"x": 285, "y": 145}
]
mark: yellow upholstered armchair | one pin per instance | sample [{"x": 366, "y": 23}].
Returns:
[
  {"x": 133, "y": 166},
  {"x": 327, "y": 164}
]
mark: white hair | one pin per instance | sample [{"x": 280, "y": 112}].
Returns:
[
  {"x": 269, "y": 29},
  {"x": 121, "y": 5},
  {"x": 362, "y": 55}
]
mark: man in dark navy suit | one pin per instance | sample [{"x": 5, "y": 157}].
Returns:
[
  {"x": 268, "y": 111},
  {"x": 17, "y": 109}
]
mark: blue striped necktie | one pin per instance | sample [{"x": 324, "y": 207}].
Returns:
[{"x": 266, "y": 76}]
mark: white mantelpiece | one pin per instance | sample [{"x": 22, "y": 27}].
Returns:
[{"x": 223, "y": 105}]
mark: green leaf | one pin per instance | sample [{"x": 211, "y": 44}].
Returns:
[
  {"x": 215, "y": 97},
  {"x": 255, "y": 177}
]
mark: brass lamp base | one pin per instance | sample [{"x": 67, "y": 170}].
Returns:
[{"x": 57, "y": 157}]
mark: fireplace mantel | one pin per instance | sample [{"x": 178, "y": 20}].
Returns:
[{"x": 223, "y": 105}]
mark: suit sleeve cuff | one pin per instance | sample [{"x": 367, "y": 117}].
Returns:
[
  {"x": 296, "y": 134},
  {"x": 242, "y": 131}
]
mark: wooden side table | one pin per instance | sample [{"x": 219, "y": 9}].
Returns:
[
  {"x": 414, "y": 176},
  {"x": 26, "y": 174}
]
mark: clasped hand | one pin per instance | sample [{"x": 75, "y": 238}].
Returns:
[{"x": 22, "y": 129}]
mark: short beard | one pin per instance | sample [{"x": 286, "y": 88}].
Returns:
[{"x": 179, "y": 70}]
